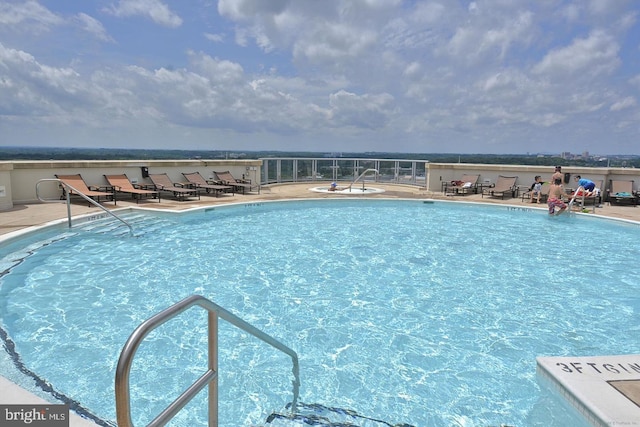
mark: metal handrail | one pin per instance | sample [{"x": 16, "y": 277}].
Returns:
[
  {"x": 573, "y": 199},
  {"x": 583, "y": 196},
  {"x": 79, "y": 193},
  {"x": 362, "y": 175},
  {"x": 210, "y": 377}
]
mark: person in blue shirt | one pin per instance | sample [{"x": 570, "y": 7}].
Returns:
[{"x": 585, "y": 183}]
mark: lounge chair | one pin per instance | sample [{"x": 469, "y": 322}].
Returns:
[
  {"x": 75, "y": 185},
  {"x": 162, "y": 182},
  {"x": 122, "y": 184},
  {"x": 505, "y": 185},
  {"x": 245, "y": 185},
  {"x": 621, "y": 193},
  {"x": 198, "y": 181},
  {"x": 465, "y": 185}
]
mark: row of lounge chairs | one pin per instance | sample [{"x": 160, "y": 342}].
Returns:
[
  {"x": 225, "y": 183},
  {"x": 506, "y": 185},
  {"x": 619, "y": 192}
]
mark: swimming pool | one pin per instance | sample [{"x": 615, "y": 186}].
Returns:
[{"x": 405, "y": 311}]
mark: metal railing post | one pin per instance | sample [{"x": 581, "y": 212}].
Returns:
[
  {"x": 213, "y": 366},
  {"x": 68, "y": 207}
]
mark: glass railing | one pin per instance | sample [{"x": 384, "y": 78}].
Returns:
[{"x": 394, "y": 171}]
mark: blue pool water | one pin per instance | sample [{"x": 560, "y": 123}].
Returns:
[{"x": 430, "y": 314}]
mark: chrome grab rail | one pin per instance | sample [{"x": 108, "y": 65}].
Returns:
[
  {"x": 210, "y": 377},
  {"x": 583, "y": 197},
  {"x": 360, "y": 176},
  {"x": 573, "y": 199},
  {"x": 79, "y": 193}
]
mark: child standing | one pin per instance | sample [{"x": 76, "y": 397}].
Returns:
[{"x": 555, "y": 198}]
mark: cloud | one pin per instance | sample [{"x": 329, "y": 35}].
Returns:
[
  {"x": 245, "y": 9},
  {"x": 486, "y": 74},
  {"x": 365, "y": 111},
  {"x": 93, "y": 26},
  {"x": 330, "y": 44},
  {"x": 318, "y": 33},
  {"x": 29, "y": 14},
  {"x": 592, "y": 56},
  {"x": 156, "y": 10},
  {"x": 34, "y": 89},
  {"x": 625, "y": 103},
  {"x": 635, "y": 81},
  {"x": 216, "y": 38}
]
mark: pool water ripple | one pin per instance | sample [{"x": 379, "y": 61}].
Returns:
[{"x": 424, "y": 314}]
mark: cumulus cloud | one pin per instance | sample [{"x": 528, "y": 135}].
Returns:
[
  {"x": 366, "y": 111},
  {"x": 34, "y": 88},
  {"x": 30, "y": 14},
  {"x": 155, "y": 10},
  {"x": 93, "y": 26},
  {"x": 591, "y": 56},
  {"x": 489, "y": 69}
]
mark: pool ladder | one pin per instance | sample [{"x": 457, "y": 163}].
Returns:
[
  {"x": 573, "y": 199},
  {"x": 209, "y": 378},
  {"x": 79, "y": 193},
  {"x": 362, "y": 175}
]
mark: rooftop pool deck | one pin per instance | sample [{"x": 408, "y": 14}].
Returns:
[{"x": 604, "y": 388}]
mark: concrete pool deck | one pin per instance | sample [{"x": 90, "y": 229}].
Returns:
[
  {"x": 604, "y": 389},
  {"x": 583, "y": 392}
]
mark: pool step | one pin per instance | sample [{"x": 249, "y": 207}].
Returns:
[
  {"x": 320, "y": 415},
  {"x": 140, "y": 223}
]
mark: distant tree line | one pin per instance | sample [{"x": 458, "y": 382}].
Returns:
[{"x": 54, "y": 153}]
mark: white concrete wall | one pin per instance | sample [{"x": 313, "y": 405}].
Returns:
[
  {"x": 6, "y": 195},
  {"x": 20, "y": 178},
  {"x": 447, "y": 172}
]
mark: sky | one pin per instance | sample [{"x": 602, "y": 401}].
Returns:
[{"x": 441, "y": 76}]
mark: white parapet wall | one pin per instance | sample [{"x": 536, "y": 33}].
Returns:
[
  {"x": 440, "y": 173},
  {"x": 20, "y": 178}
]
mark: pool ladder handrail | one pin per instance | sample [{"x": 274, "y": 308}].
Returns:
[
  {"x": 79, "y": 193},
  {"x": 210, "y": 377},
  {"x": 573, "y": 199},
  {"x": 360, "y": 176}
]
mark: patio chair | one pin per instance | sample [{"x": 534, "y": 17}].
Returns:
[
  {"x": 621, "y": 193},
  {"x": 75, "y": 185},
  {"x": 198, "y": 181},
  {"x": 505, "y": 185},
  {"x": 465, "y": 185},
  {"x": 122, "y": 184},
  {"x": 162, "y": 182},
  {"x": 239, "y": 184}
]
